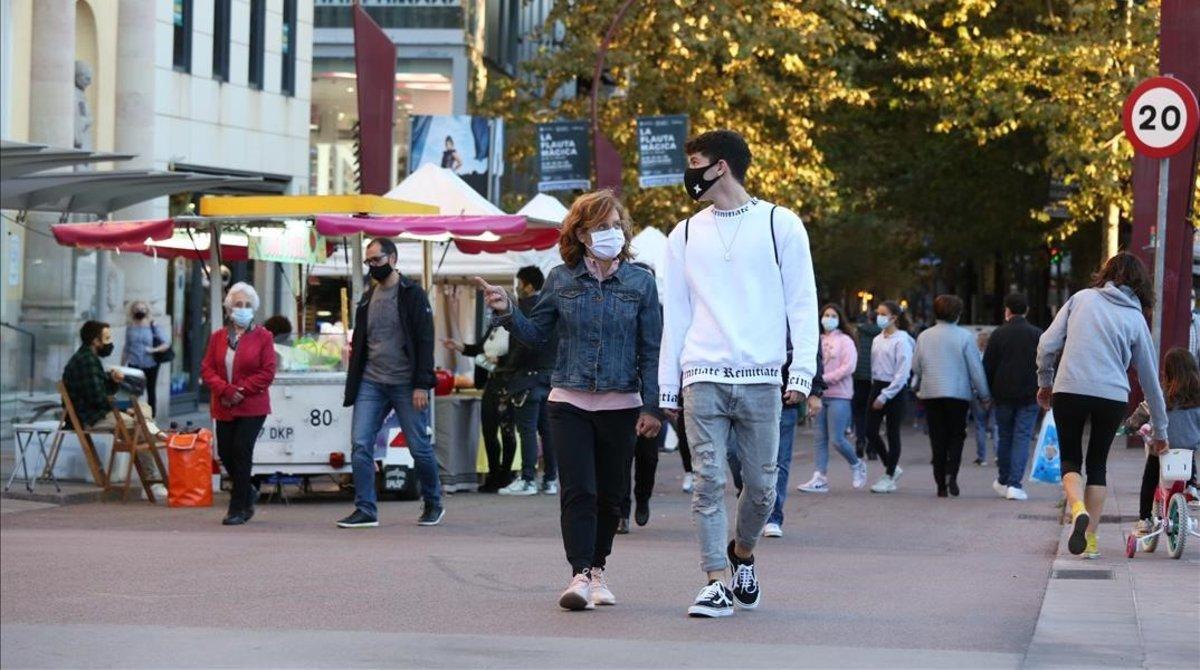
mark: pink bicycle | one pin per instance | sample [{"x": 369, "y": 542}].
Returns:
[{"x": 1170, "y": 515}]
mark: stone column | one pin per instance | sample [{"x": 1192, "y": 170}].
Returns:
[
  {"x": 145, "y": 277},
  {"x": 49, "y": 283}
]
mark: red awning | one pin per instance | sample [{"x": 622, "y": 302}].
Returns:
[
  {"x": 533, "y": 239},
  {"x": 390, "y": 226},
  {"x": 123, "y": 235}
]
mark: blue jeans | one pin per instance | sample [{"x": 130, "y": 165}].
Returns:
[
  {"x": 985, "y": 424},
  {"x": 371, "y": 407},
  {"x": 532, "y": 422},
  {"x": 1016, "y": 424},
  {"x": 831, "y": 422}
]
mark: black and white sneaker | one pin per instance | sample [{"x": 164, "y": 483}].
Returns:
[
  {"x": 714, "y": 601},
  {"x": 359, "y": 519},
  {"x": 744, "y": 584},
  {"x": 432, "y": 515}
]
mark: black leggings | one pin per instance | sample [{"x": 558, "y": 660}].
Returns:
[
  {"x": 893, "y": 411},
  {"x": 1071, "y": 413},
  {"x": 685, "y": 453},
  {"x": 151, "y": 389},
  {"x": 594, "y": 449},
  {"x": 645, "y": 467},
  {"x": 947, "y": 418},
  {"x": 235, "y": 448},
  {"x": 497, "y": 422}
]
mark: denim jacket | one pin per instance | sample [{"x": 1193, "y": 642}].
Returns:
[{"x": 608, "y": 333}]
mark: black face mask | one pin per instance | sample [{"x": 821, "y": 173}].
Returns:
[
  {"x": 697, "y": 185},
  {"x": 380, "y": 273},
  {"x": 139, "y": 315},
  {"x": 105, "y": 350}
]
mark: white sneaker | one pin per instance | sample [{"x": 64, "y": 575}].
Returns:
[
  {"x": 859, "y": 473},
  {"x": 689, "y": 480},
  {"x": 884, "y": 485},
  {"x": 578, "y": 595},
  {"x": 818, "y": 484},
  {"x": 550, "y": 488},
  {"x": 896, "y": 477},
  {"x": 1000, "y": 489},
  {"x": 1014, "y": 493},
  {"x": 772, "y": 530},
  {"x": 601, "y": 595},
  {"x": 519, "y": 487}
]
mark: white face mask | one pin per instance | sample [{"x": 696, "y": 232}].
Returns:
[
  {"x": 829, "y": 323},
  {"x": 607, "y": 244},
  {"x": 882, "y": 321}
]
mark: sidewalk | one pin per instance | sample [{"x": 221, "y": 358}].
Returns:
[{"x": 1116, "y": 612}]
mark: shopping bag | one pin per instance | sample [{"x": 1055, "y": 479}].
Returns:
[
  {"x": 189, "y": 462},
  {"x": 1047, "y": 460}
]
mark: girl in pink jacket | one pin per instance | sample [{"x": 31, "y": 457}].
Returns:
[{"x": 840, "y": 357}]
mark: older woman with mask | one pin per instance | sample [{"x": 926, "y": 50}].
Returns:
[
  {"x": 238, "y": 368},
  {"x": 143, "y": 340}
]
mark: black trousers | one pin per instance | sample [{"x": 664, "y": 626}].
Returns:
[
  {"x": 235, "y": 448},
  {"x": 893, "y": 411},
  {"x": 151, "y": 388},
  {"x": 594, "y": 449},
  {"x": 1071, "y": 413},
  {"x": 497, "y": 423},
  {"x": 645, "y": 467},
  {"x": 860, "y": 407},
  {"x": 947, "y": 420},
  {"x": 685, "y": 453}
]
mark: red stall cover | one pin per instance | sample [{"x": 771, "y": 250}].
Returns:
[
  {"x": 533, "y": 239},
  {"x": 123, "y": 235}
]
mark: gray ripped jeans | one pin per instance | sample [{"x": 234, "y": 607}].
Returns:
[{"x": 719, "y": 417}]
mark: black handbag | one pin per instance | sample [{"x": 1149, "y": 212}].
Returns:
[{"x": 165, "y": 356}]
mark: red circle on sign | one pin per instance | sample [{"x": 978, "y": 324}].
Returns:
[{"x": 1191, "y": 109}]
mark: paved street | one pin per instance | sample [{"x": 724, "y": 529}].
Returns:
[{"x": 859, "y": 580}]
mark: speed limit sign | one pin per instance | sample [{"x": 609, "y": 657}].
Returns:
[{"x": 1160, "y": 117}]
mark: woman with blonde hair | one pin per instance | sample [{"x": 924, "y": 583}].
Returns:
[{"x": 604, "y": 388}]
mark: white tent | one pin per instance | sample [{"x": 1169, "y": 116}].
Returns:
[
  {"x": 650, "y": 247},
  {"x": 543, "y": 208},
  {"x": 440, "y": 187}
]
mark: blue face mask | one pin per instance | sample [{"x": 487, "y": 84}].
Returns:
[
  {"x": 882, "y": 321},
  {"x": 242, "y": 316}
]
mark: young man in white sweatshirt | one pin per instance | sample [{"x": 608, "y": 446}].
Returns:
[{"x": 739, "y": 283}]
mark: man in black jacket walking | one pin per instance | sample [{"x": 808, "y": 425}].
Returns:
[
  {"x": 391, "y": 368},
  {"x": 1010, "y": 363}
]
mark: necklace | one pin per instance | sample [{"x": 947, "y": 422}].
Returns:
[{"x": 729, "y": 247}]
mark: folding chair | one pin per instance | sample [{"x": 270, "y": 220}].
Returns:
[
  {"x": 71, "y": 421},
  {"x": 134, "y": 440}
]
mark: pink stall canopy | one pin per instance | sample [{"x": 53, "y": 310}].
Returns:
[
  {"x": 332, "y": 225},
  {"x": 533, "y": 239},
  {"x": 113, "y": 235}
]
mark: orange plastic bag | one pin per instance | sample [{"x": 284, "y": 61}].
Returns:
[{"x": 189, "y": 457}]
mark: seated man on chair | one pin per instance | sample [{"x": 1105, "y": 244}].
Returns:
[{"x": 90, "y": 387}]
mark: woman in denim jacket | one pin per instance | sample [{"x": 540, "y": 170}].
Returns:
[{"x": 605, "y": 381}]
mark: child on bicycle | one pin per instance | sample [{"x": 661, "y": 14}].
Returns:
[{"x": 1181, "y": 387}]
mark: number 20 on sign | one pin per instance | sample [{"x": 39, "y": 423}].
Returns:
[{"x": 1160, "y": 119}]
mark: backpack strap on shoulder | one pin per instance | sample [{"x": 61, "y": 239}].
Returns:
[{"x": 774, "y": 243}]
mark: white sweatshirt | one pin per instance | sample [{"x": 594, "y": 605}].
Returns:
[{"x": 728, "y": 305}]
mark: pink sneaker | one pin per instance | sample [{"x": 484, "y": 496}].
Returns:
[
  {"x": 578, "y": 595},
  {"x": 600, "y": 593}
]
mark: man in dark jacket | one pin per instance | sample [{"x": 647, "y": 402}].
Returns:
[
  {"x": 1010, "y": 363},
  {"x": 391, "y": 368},
  {"x": 867, "y": 330},
  {"x": 529, "y": 389},
  {"x": 493, "y": 371}
]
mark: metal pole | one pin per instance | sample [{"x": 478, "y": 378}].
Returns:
[
  {"x": 1160, "y": 250},
  {"x": 216, "y": 314},
  {"x": 356, "y": 272},
  {"x": 100, "y": 299}
]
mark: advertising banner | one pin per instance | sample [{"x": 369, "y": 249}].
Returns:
[
  {"x": 661, "y": 160},
  {"x": 564, "y": 156}
]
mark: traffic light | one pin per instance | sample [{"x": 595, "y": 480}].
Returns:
[{"x": 1056, "y": 254}]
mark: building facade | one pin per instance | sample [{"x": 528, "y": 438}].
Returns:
[{"x": 212, "y": 86}]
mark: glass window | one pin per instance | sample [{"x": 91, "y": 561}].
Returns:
[
  {"x": 433, "y": 14},
  {"x": 258, "y": 24},
  {"x": 221, "y": 16},
  {"x": 182, "y": 20},
  {"x": 288, "y": 80}
]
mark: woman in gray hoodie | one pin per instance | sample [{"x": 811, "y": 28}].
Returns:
[{"x": 1083, "y": 359}]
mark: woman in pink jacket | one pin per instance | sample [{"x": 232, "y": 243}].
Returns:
[{"x": 840, "y": 357}]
